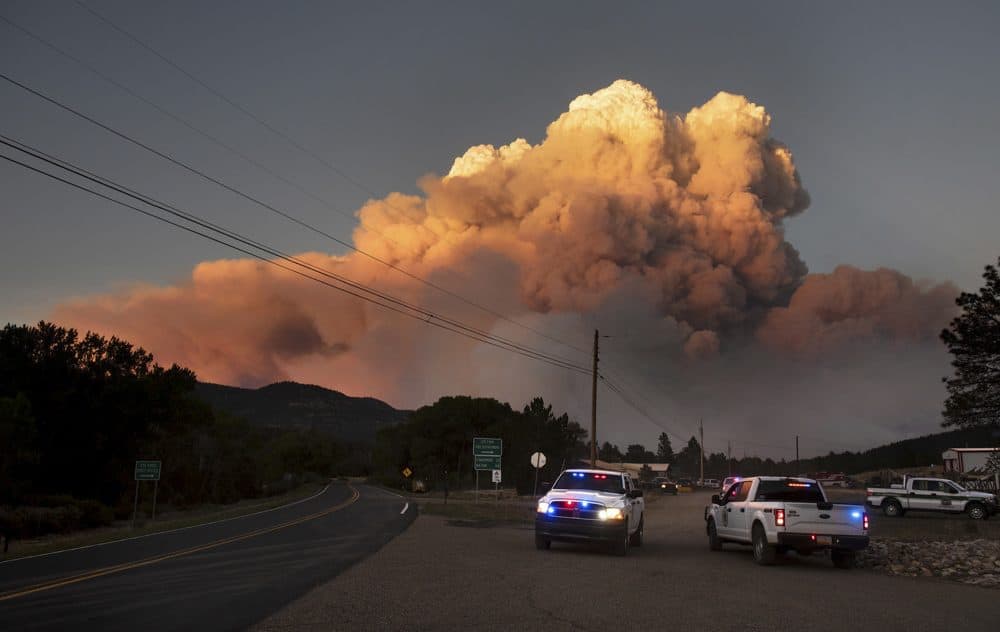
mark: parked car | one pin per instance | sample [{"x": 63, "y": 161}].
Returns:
[
  {"x": 775, "y": 514},
  {"x": 587, "y": 505},
  {"x": 931, "y": 494},
  {"x": 709, "y": 482}
]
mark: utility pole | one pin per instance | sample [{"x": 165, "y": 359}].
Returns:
[
  {"x": 796, "y": 455},
  {"x": 701, "y": 452},
  {"x": 729, "y": 457},
  {"x": 593, "y": 409}
]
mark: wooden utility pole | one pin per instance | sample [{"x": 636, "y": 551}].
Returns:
[
  {"x": 701, "y": 453},
  {"x": 796, "y": 455},
  {"x": 729, "y": 457},
  {"x": 593, "y": 409}
]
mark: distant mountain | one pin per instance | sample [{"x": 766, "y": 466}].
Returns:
[{"x": 294, "y": 405}]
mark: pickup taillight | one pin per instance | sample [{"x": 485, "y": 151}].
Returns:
[
  {"x": 868, "y": 492},
  {"x": 864, "y": 521},
  {"x": 779, "y": 517}
]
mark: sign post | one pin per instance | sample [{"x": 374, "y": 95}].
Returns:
[
  {"x": 538, "y": 462},
  {"x": 486, "y": 455},
  {"x": 146, "y": 471}
]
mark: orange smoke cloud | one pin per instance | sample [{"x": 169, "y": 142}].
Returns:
[{"x": 686, "y": 211}]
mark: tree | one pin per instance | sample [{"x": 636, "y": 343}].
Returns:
[
  {"x": 635, "y": 453},
  {"x": 664, "y": 451},
  {"x": 689, "y": 458},
  {"x": 610, "y": 453},
  {"x": 973, "y": 338}
]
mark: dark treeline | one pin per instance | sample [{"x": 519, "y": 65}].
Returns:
[
  {"x": 917, "y": 452},
  {"x": 438, "y": 439},
  {"x": 77, "y": 411}
]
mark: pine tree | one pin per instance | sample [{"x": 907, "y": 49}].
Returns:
[{"x": 973, "y": 338}]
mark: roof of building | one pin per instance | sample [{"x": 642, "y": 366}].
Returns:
[{"x": 973, "y": 449}]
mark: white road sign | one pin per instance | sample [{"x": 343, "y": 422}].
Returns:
[
  {"x": 538, "y": 459},
  {"x": 496, "y": 476}
]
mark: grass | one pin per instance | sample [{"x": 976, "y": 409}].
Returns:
[{"x": 173, "y": 520}]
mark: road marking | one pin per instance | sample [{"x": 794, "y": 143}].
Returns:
[
  {"x": 109, "y": 570},
  {"x": 149, "y": 535},
  {"x": 405, "y": 507}
]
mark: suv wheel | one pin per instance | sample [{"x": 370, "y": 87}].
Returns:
[
  {"x": 620, "y": 545},
  {"x": 714, "y": 543},
  {"x": 636, "y": 539},
  {"x": 763, "y": 553},
  {"x": 976, "y": 511}
]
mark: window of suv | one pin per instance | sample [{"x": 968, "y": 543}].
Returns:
[
  {"x": 790, "y": 491},
  {"x": 591, "y": 481}
]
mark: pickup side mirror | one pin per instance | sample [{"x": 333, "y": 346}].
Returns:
[
  {"x": 716, "y": 500},
  {"x": 635, "y": 493}
]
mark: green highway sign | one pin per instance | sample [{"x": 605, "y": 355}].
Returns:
[
  {"x": 487, "y": 446},
  {"x": 486, "y": 462},
  {"x": 147, "y": 470}
]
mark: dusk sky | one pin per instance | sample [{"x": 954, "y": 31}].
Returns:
[{"x": 889, "y": 110}]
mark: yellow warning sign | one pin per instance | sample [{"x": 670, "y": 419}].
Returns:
[{"x": 407, "y": 472}]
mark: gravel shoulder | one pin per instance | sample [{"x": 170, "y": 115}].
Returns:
[{"x": 439, "y": 576}]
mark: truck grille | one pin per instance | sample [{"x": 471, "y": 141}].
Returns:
[{"x": 582, "y": 509}]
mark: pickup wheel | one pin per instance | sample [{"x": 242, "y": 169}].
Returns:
[
  {"x": 620, "y": 546},
  {"x": 892, "y": 508},
  {"x": 842, "y": 559},
  {"x": 542, "y": 543},
  {"x": 636, "y": 539},
  {"x": 763, "y": 553},
  {"x": 976, "y": 511},
  {"x": 714, "y": 543}
]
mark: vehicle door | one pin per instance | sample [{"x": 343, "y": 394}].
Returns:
[
  {"x": 734, "y": 512},
  {"x": 951, "y": 497},
  {"x": 921, "y": 497}
]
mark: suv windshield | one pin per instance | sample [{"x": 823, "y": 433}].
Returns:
[
  {"x": 790, "y": 491},
  {"x": 591, "y": 481}
]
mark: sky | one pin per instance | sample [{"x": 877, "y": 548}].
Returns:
[{"x": 889, "y": 111}]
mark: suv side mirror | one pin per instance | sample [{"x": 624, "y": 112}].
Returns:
[
  {"x": 716, "y": 500},
  {"x": 635, "y": 493}
]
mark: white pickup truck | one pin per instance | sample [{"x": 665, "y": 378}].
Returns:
[
  {"x": 931, "y": 494},
  {"x": 777, "y": 514},
  {"x": 592, "y": 506}
]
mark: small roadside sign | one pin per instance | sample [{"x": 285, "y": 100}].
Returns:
[
  {"x": 485, "y": 462},
  {"x": 487, "y": 446},
  {"x": 538, "y": 460},
  {"x": 147, "y": 470},
  {"x": 496, "y": 476},
  {"x": 407, "y": 472}
]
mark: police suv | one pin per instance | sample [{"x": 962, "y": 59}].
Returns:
[{"x": 591, "y": 506}]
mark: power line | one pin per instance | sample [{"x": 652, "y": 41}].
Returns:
[
  {"x": 301, "y": 148},
  {"x": 358, "y": 290}
]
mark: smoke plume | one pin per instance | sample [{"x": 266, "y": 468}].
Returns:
[{"x": 665, "y": 230}]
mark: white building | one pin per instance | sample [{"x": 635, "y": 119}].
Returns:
[{"x": 963, "y": 460}]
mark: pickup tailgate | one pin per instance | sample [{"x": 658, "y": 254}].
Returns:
[{"x": 838, "y": 520}]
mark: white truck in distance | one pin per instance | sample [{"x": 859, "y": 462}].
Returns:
[
  {"x": 931, "y": 494},
  {"x": 591, "y": 506},
  {"x": 777, "y": 514}
]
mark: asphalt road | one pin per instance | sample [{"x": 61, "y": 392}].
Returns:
[
  {"x": 437, "y": 576},
  {"x": 222, "y": 576}
]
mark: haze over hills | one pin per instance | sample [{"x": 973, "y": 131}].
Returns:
[{"x": 306, "y": 406}]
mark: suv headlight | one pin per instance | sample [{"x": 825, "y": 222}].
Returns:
[
  {"x": 543, "y": 506},
  {"x": 611, "y": 513}
]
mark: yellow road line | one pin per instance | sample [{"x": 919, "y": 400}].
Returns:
[{"x": 109, "y": 570}]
